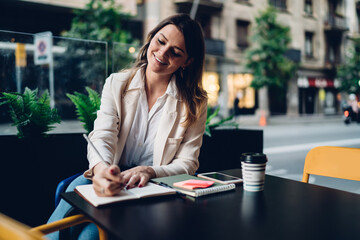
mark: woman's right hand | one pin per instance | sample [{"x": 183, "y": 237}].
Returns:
[{"x": 107, "y": 180}]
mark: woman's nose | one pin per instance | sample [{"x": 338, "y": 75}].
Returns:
[{"x": 163, "y": 51}]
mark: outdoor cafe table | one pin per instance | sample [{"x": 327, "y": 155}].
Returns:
[{"x": 286, "y": 209}]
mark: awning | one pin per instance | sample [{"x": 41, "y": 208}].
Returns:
[{"x": 317, "y": 82}]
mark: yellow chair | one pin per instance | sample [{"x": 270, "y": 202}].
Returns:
[
  {"x": 337, "y": 162},
  {"x": 14, "y": 230}
]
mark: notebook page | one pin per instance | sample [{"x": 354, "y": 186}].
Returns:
[{"x": 151, "y": 189}]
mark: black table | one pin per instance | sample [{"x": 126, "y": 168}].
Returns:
[{"x": 286, "y": 209}]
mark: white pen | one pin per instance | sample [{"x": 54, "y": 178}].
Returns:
[
  {"x": 97, "y": 152},
  {"x": 94, "y": 148}
]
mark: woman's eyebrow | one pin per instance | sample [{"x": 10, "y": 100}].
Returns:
[{"x": 174, "y": 46}]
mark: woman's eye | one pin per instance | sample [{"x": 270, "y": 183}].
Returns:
[
  {"x": 175, "y": 54},
  {"x": 161, "y": 42}
]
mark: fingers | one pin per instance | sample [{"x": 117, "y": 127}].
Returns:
[
  {"x": 137, "y": 176},
  {"x": 104, "y": 187},
  {"x": 110, "y": 181},
  {"x": 143, "y": 181},
  {"x": 107, "y": 181},
  {"x": 113, "y": 174}
]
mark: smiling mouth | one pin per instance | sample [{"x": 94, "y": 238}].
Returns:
[{"x": 157, "y": 59}]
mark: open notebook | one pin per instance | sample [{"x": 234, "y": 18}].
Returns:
[{"x": 149, "y": 190}]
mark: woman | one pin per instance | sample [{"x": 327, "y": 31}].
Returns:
[{"x": 152, "y": 118}]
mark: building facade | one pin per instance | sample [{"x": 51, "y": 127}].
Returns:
[{"x": 320, "y": 32}]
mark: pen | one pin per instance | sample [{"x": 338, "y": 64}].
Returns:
[
  {"x": 167, "y": 186},
  {"x": 97, "y": 152},
  {"x": 94, "y": 148}
]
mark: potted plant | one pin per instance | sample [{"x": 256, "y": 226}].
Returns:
[
  {"x": 86, "y": 107},
  {"x": 32, "y": 115},
  {"x": 34, "y": 162},
  {"x": 224, "y": 142}
]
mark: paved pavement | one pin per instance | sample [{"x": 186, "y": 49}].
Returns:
[
  {"x": 246, "y": 121},
  {"x": 282, "y": 120}
]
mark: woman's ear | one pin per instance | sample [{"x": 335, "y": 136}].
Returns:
[{"x": 188, "y": 62}]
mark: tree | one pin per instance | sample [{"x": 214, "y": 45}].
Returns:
[
  {"x": 349, "y": 72},
  {"x": 266, "y": 59},
  {"x": 103, "y": 20}
]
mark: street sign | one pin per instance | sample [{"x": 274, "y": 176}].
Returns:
[
  {"x": 20, "y": 55},
  {"x": 43, "y": 55},
  {"x": 43, "y": 48}
]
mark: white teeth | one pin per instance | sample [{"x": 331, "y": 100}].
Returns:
[{"x": 159, "y": 60}]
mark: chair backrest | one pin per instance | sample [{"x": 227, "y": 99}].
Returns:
[
  {"x": 12, "y": 229},
  {"x": 337, "y": 162}
]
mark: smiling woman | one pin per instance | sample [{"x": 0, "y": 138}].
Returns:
[{"x": 152, "y": 117}]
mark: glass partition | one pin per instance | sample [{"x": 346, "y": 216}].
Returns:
[
  {"x": 60, "y": 65},
  {"x": 123, "y": 55}
]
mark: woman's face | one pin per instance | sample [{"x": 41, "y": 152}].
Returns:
[{"x": 167, "y": 52}]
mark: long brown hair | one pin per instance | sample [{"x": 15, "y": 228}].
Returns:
[{"x": 188, "y": 80}]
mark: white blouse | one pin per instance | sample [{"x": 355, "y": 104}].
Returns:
[{"x": 139, "y": 147}]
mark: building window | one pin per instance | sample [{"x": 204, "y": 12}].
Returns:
[
  {"x": 242, "y": 33},
  {"x": 210, "y": 82},
  {"x": 309, "y": 48},
  {"x": 308, "y": 7},
  {"x": 240, "y": 92},
  {"x": 280, "y": 4}
]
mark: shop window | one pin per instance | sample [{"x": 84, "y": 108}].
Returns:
[
  {"x": 240, "y": 92},
  {"x": 210, "y": 82},
  {"x": 242, "y": 33},
  {"x": 308, "y": 7},
  {"x": 309, "y": 48},
  {"x": 280, "y": 4}
]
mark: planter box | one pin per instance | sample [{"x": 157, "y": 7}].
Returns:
[
  {"x": 223, "y": 149},
  {"x": 32, "y": 168}
]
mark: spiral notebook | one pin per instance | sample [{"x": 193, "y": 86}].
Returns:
[{"x": 216, "y": 188}]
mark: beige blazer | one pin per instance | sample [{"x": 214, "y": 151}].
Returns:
[{"x": 176, "y": 149}]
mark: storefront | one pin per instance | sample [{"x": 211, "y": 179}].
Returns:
[
  {"x": 240, "y": 98},
  {"x": 318, "y": 95}
]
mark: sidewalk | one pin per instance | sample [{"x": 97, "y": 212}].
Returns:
[
  {"x": 253, "y": 120},
  {"x": 245, "y": 121}
]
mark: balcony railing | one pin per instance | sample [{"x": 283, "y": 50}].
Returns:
[
  {"x": 333, "y": 22},
  {"x": 212, "y": 5},
  {"x": 214, "y": 47}
]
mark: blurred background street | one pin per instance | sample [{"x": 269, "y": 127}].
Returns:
[
  {"x": 287, "y": 140},
  {"x": 287, "y": 67},
  {"x": 287, "y": 145}
]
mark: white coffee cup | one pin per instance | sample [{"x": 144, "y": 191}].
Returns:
[{"x": 253, "y": 171}]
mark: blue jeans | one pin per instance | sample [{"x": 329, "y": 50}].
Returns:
[{"x": 86, "y": 231}]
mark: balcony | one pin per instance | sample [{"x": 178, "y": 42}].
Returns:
[
  {"x": 336, "y": 23},
  {"x": 293, "y": 54},
  {"x": 209, "y": 6},
  {"x": 214, "y": 47}
]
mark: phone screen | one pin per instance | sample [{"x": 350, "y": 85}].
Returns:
[{"x": 220, "y": 176}]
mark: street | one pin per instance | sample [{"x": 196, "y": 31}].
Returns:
[{"x": 287, "y": 145}]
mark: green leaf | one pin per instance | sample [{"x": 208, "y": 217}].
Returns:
[
  {"x": 225, "y": 122},
  {"x": 32, "y": 115},
  {"x": 86, "y": 107}
]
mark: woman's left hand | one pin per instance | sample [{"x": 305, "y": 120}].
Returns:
[{"x": 140, "y": 175}]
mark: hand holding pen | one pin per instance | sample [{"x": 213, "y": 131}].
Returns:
[{"x": 107, "y": 180}]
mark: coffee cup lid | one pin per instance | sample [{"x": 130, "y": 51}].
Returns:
[{"x": 252, "y": 157}]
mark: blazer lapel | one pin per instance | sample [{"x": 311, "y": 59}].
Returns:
[
  {"x": 166, "y": 124},
  {"x": 128, "y": 110}
]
